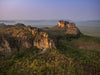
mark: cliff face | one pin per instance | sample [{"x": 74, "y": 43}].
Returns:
[
  {"x": 42, "y": 41},
  {"x": 19, "y": 37}
]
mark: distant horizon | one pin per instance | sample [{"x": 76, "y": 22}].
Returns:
[
  {"x": 45, "y": 20},
  {"x": 75, "y": 10}
]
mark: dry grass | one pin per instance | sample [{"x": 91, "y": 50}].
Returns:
[{"x": 88, "y": 44}]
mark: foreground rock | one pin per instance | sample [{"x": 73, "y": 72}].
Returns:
[
  {"x": 18, "y": 37},
  {"x": 42, "y": 41}
]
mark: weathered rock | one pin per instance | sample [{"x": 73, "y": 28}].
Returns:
[
  {"x": 72, "y": 29},
  {"x": 65, "y": 27},
  {"x": 33, "y": 30},
  {"x": 19, "y": 37},
  {"x": 4, "y": 47},
  {"x": 11, "y": 45},
  {"x": 43, "y": 42},
  {"x": 62, "y": 23}
]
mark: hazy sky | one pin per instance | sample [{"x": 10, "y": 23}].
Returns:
[{"x": 49, "y": 9}]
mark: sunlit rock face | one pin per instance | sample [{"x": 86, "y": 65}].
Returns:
[
  {"x": 70, "y": 28},
  {"x": 18, "y": 37},
  {"x": 62, "y": 23},
  {"x": 42, "y": 41}
]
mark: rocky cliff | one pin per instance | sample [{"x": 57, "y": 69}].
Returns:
[
  {"x": 42, "y": 41},
  {"x": 65, "y": 27},
  {"x": 18, "y": 37}
]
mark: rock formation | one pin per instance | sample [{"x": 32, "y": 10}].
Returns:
[
  {"x": 70, "y": 27},
  {"x": 43, "y": 42},
  {"x": 65, "y": 27},
  {"x": 18, "y": 37},
  {"x": 62, "y": 23},
  {"x": 4, "y": 46}
]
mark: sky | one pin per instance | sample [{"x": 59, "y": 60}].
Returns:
[{"x": 78, "y": 10}]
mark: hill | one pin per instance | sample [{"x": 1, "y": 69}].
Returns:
[
  {"x": 64, "y": 27},
  {"x": 33, "y": 51}
]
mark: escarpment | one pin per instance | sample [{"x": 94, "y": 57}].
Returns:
[{"x": 18, "y": 37}]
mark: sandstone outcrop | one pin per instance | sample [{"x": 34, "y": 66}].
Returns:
[
  {"x": 65, "y": 27},
  {"x": 70, "y": 27},
  {"x": 18, "y": 37},
  {"x": 62, "y": 23},
  {"x": 42, "y": 41}
]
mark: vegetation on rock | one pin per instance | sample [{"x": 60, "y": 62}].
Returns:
[{"x": 75, "y": 54}]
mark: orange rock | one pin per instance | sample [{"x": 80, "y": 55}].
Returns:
[{"x": 62, "y": 23}]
